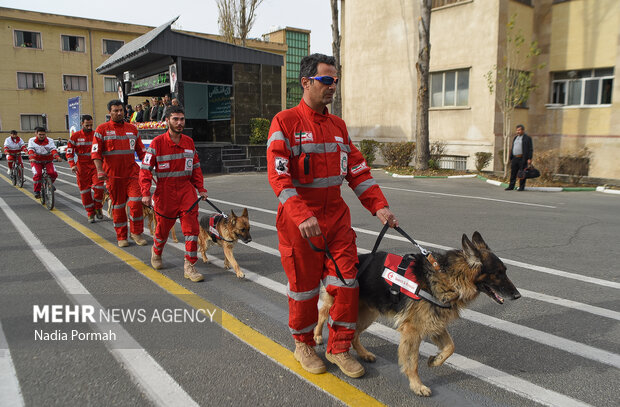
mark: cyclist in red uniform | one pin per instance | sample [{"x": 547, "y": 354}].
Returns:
[
  {"x": 13, "y": 147},
  {"x": 41, "y": 151}
]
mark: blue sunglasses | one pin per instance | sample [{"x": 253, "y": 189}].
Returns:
[{"x": 325, "y": 80}]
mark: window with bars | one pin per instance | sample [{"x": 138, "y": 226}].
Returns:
[
  {"x": 450, "y": 88},
  {"x": 27, "y": 39},
  {"x": 74, "y": 82},
  {"x": 111, "y": 46},
  {"x": 30, "y": 121},
  {"x": 441, "y": 3},
  {"x": 72, "y": 43},
  {"x": 109, "y": 84},
  {"x": 30, "y": 80},
  {"x": 589, "y": 87}
]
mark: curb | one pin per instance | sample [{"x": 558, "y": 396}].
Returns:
[{"x": 504, "y": 185}]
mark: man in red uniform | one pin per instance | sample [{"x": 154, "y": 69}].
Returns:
[
  {"x": 172, "y": 158},
  {"x": 309, "y": 154},
  {"x": 41, "y": 151},
  {"x": 80, "y": 145},
  {"x": 113, "y": 150},
  {"x": 13, "y": 147}
]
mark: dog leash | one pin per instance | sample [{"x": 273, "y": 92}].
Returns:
[
  {"x": 329, "y": 256},
  {"x": 182, "y": 213},
  {"x": 428, "y": 255},
  {"x": 216, "y": 208}
]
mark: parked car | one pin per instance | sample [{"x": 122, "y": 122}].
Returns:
[{"x": 61, "y": 145}]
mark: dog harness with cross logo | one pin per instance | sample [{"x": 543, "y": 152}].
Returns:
[
  {"x": 213, "y": 221},
  {"x": 398, "y": 274}
]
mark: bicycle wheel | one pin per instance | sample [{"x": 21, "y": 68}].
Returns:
[
  {"x": 20, "y": 176},
  {"x": 42, "y": 192},
  {"x": 14, "y": 175},
  {"x": 49, "y": 193}
]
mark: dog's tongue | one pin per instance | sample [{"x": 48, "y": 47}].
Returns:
[{"x": 496, "y": 297}]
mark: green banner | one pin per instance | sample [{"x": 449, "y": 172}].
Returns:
[{"x": 219, "y": 102}]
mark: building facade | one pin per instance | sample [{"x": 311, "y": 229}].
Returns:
[
  {"x": 576, "y": 103},
  {"x": 298, "y": 46},
  {"x": 51, "y": 58}
]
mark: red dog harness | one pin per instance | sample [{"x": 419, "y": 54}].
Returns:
[
  {"x": 213, "y": 221},
  {"x": 398, "y": 274}
]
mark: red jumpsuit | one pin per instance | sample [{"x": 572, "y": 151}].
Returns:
[
  {"x": 300, "y": 139},
  {"x": 178, "y": 173},
  {"x": 115, "y": 144},
  {"x": 13, "y": 146},
  {"x": 41, "y": 154},
  {"x": 80, "y": 145}
]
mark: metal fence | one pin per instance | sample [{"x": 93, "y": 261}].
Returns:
[{"x": 453, "y": 162}]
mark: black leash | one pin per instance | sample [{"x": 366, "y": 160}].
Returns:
[
  {"x": 182, "y": 213},
  {"x": 329, "y": 256},
  {"x": 216, "y": 208},
  {"x": 428, "y": 255}
]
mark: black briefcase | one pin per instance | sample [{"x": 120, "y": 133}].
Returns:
[{"x": 529, "y": 172}]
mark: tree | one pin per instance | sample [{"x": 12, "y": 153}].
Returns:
[
  {"x": 422, "y": 68},
  {"x": 337, "y": 104},
  {"x": 512, "y": 86},
  {"x": 236, "y": 18}
]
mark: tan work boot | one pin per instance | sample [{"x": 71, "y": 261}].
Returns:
[
  {"x": 140, "y": 241},
  {"x": 347, "y": 364},
  {"x": 123, "y": 243},
  {"x": 191, "y": 273},
  {"x": 155, "y": 260},
  {"x": 308, "y": 358}
]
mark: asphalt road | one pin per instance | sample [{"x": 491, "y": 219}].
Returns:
[{"x": 558, "y": 345}]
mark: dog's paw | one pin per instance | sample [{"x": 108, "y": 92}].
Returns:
[
  {"x": 367, "y": 357},
  {"x": 240, "y": 274},
  {"x": 436, "y": 360},
  {"x": 318, "y": 339},
  {"x": 420, "y": 390}
]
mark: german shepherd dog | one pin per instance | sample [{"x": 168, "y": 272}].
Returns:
[
  {"x": 147, "y": 213},
  {"x": 464, "y": 274},
  {"x": 230, "y": 229}
]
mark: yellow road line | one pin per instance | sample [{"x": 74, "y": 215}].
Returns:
[{"x": 328, "y": 382}]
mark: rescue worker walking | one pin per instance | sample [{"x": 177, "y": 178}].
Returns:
[
  {"x": 113, "y": 150},
  {"x": 13, "y": 147},
  {"x": 80, "y": 145},
  {"x": 172, "y": 158},
  {"x": 41, "y": 151},
  {"x": 309, "y": 154}
]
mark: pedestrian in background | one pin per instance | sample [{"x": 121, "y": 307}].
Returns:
[{"x": 521, "y": 154}]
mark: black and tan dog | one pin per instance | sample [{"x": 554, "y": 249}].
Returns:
[
  {"x": 224, "y": 231},
  {"x": 464, "y": 274},
  {"x": 147, "y": 213}
]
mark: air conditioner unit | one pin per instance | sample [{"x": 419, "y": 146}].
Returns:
[{"x": 39, "y": 86}]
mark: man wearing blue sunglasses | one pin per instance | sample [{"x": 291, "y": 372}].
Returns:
[{"x": 309, "y": 155}]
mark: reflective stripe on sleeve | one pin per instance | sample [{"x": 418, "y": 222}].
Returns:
[
  {"x": 363, "y": 186},
  {"x": 285, "y": 194},
  {"x": 335, "y": 282},
  {"x": 278, "y": 135}
]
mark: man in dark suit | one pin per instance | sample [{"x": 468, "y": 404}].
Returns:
[{"x": 520, "y": 156}]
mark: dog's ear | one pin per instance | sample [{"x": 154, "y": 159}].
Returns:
[
  {"x": 471, "y": 252},
  {"x": 478, "y": 241},
  {"x": 232, "y": 214},
  {"x": 245, "y": 212}
]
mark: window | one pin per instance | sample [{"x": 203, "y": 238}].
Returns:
[
  {"x": 27, "y": 39},
  {"x": 71, "y": 43},
  {"x": 109, "y": 84},
  {"x": 30, "y": 121},
  {"x": 588, "y": 87},
  {"x": 74, "y": 82},
  {"x": 443, "y": 3},
  {"x": 29, "y": 80},
  {"x": 111, "y": 46},
  {"x": 450, "y": 88}
]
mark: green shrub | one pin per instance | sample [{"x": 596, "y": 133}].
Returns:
[
  {"x": 259, "y": 130},
  {"x": 433, "y": 164},
  {"x": 398, "y": 154},
  {"x": 368, "y": 148},
  {"x": 482, "y": 160}
]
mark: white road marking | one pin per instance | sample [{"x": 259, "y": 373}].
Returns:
[
  {"x": 156, "y": 383},
  {"x": 469, "y": 197},
  {"x": 10, "y": 392}
]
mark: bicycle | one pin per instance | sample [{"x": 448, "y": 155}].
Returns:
[
  {"x": 17, "y": 174},
  {"x": 47, "y": 190}
]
